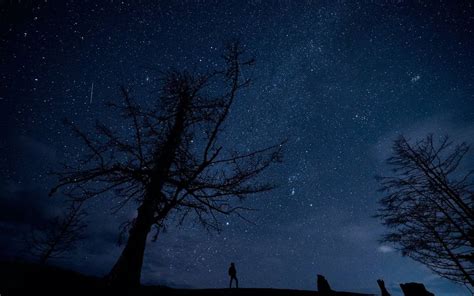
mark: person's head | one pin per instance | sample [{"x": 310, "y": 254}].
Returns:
[{"x": 232, "y": 264}]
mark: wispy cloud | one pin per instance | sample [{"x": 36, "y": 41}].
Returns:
[{"x": 385, "y": 249}]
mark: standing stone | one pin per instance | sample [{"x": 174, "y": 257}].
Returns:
[
  {"x": 383, "y": 290},
  {"x": 323, "y": 286},
  {"x": 415, "y": 289}
]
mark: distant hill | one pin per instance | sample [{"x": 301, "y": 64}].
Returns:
[
  {"x": 253, "y": 292},
  {"x": 32, "y": 279}
]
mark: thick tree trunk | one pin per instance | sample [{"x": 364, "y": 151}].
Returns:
[{"x": 127, "y": 270}]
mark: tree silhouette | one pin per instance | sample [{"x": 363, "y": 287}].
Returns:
[
  {"x": 428, "y": 206},
  {"x": 172, "y": 162},
  {"x": 59, "y": 236}
]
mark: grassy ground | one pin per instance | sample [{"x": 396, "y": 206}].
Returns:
[{"x": 31, "y": 279}]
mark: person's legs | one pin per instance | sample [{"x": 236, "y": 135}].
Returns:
[{"x": 230, "y": 284}]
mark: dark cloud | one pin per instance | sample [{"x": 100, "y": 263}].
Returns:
[
  {"x": 20, "y": 211},
  {"x": 28, "y": 207}
]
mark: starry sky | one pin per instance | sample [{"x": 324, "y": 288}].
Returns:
[{"x": 339, "y": 79}]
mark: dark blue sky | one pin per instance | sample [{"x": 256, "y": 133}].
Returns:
[{"x": 340, "y": 79}]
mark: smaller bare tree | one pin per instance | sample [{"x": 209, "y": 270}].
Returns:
[
  {"x": 429, "y": 206},
  {"x": 59, "y": 235}
]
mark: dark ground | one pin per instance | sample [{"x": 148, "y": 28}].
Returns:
[{"x": 33, "y": 279}]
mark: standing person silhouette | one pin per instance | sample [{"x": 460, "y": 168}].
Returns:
[{"x": 233, "y": 275}]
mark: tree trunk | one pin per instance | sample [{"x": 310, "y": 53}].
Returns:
[
  {"x": 127, "y": 270},
  {"x": 454, "y": 258}
]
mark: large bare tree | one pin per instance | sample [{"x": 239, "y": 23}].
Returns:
[
  {"x": 428, "y": 206},
  {"x": 172, "y": 162}
]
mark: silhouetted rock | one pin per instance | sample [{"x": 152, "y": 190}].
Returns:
[
  {"x": 323, "y": 286},
  {"x": 415, "y": 289},
  {"x": 383, "y": 290}
]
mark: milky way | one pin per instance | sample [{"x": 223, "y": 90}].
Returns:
[{"x": 339, "y": 79}]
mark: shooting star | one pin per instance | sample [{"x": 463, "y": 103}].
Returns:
[{"x": 92, "y": 92}]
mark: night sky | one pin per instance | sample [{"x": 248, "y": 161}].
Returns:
[{"x": 339, "y": 79}]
